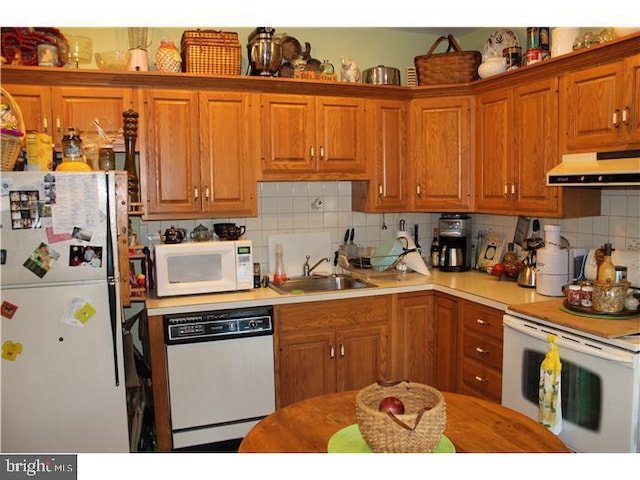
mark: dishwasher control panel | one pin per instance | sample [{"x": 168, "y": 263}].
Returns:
[{"x": 218, "y": 325}]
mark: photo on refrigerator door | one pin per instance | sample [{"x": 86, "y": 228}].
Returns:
[{"x": 41, "y": 259}]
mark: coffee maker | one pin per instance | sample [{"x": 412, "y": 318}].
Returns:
[{"x": 455, "y": 242}]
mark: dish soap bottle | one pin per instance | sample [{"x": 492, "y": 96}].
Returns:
[
  {"x": 279, "y": 275},
  {"x": 606, "y": 270}
]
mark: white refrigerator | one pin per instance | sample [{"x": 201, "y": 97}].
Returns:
[{"x": 61, "y": 366}]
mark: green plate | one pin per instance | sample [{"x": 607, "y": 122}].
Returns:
[{"x": 349, "y": 440}]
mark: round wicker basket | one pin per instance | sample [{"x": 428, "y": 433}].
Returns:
[
  {"x": 417, "y": 431},
  {"x": 11, "y": 144}
]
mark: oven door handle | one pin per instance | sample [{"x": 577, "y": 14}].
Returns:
[{"x": 564, "y": 340}]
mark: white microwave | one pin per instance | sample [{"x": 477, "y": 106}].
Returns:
[{"x": 203, "y": 267}]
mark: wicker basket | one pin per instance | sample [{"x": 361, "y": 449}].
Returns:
[
  {"x": 11, "y": 144},
  {"x": 211, "y": 51},
  {"x": 453, "y": 66},
  {"x": 417, "y": 431}
]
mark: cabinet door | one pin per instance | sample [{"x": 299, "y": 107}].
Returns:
[
  {"x": 494, "y": 132},
  {"x": 632, "y": 100},
  {"x": 171, "y": 163},
  {"x": 80, "y": 106},
  {"x": 446, "y": 314},
  {"x": 592, "y": 99},
  {"x": 227, "y": 154},
  {"x": 361, "y": 356},
  {"x": 306, "y": 366},
  {"x": 417, "y": 347},
  {"x": 288, "y": 133},
  {"x": 441, "y": 155},
  {"x": 386, "y": 141},
  {"x": 35, "y": 103},
  {"x": 340, "y": 124},
  {"x": 535, "y": 146}
]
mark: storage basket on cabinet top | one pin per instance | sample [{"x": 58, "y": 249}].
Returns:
[
  {"x": 452, "y": 66},
  {"x": 418, "y": 430},
  {"x": 11, "y": 142},
  {"x": 211, "y": 51}
]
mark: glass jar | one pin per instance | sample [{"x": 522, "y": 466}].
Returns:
[
  {"x": 72, "y": 154},
  {"x": 107, "y": 159}
]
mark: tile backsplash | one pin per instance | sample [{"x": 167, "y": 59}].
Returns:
[{"x": 296, "y": 207}]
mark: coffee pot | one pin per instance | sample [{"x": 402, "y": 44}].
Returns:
[{"x": 264, "y": 51}]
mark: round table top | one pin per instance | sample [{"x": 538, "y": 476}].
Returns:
[{"x": 473, "y": 425}]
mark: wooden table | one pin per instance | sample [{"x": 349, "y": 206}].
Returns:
[{"x": 473, "y": 425}]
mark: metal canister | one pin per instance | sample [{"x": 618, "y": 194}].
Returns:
[
  {"x": 533, "y": 55},
  {"x": 513, "y": 56},
  {"x": 621, "y": 273},
  {"x": 543, "y": 38}
]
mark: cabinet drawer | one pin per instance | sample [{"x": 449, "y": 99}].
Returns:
[
  {"x": 482, "y": 349},
  {"x": 482, "y": 319},
  {"x": 479, "y": 380},
  {"x": 333, "y": 313}
]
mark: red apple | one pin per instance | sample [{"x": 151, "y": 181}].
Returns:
[{"x": 391, "y": 404}]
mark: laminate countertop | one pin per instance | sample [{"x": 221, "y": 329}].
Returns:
[{"x": 472, "y": 285}]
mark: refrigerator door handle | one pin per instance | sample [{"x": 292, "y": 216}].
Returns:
[{"x": 111, "y": 287}]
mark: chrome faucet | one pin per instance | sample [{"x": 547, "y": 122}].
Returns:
[{"x": 306, "y": 269}]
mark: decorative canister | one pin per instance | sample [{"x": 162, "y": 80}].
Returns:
[
  {"x": 573, "y": 294},
  {"x": 168, "y": 57},
  {"x": 513, "y": 56},
  {"x": 609, "y": 297},
  {"x": 586, "y": 296}
]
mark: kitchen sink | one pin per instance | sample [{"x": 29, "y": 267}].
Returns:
[{"x": 320, "y": 283}]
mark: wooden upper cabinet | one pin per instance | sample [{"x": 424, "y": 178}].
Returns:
[
  {"x": 199, "y": 154},
  {"x": 53, "y": 109},
  {"x": 441, "y": 155},
  {"x": 517, "y": 143},
  {"x": 601, "y": 107},
  {"x": 494, "y": 137},
  {"x": 312, "y": 137},
  {"x": 386, "y": 146},
  {"x": 171, "y": 161},
  {"x": 227, "y": 153}
]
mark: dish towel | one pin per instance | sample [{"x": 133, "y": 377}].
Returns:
[{"x": 549, "y": 404}]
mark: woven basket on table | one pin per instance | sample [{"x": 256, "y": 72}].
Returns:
[
  {"x": 418, "y": 430},
  {"x": 11, "y": 144},
  {"x": 211, "y": 51},
  {"x": 452, "y": 66}
]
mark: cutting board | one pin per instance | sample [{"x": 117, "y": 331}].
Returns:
[
  {"x": 296, "y": 247},
  {"x": 550, "y": 310}
]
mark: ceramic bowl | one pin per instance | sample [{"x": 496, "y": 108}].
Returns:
[
  {"x": 112, "y": 60},
  {"x": 492, "y": 66}
]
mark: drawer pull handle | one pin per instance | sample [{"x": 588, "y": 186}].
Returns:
[
  {"x": 342, "y": 350},
  {"x": 482, "y": 351},
  {"x": 480, "y": 379},
  {"x": 380, "y": 190},
  {"x": 195, "y": 193},
  {"x": 312, "y": 152},
  {"x": 321, "y": 152},
  {"x": 615, "y": 118},
  {"x": 625, "y": 115},
  {"x": 480, "y": 321},
  {"x": 332, "y": 352}
]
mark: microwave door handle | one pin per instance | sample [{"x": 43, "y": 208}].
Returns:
[{"x": 542, "y": 335}]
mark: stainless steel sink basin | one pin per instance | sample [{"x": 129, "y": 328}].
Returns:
[{"x": 320, "y": 283}]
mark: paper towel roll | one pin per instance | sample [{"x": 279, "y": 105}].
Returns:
[{"x": 562, "y": 39}]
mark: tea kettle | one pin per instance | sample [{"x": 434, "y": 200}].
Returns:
[
  {"x": 527, "y": 274},
  {"x": 173, "y": 235}
]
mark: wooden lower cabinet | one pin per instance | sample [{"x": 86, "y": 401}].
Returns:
[
  {"x": 329, "y": 346},
  {"x": 480, "y": 351}
]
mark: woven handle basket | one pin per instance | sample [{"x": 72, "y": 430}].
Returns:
[
  {"x": 11, "y": 144},
  {"x": 417, "y": 431},
  {"x": 452, "y": 66}
]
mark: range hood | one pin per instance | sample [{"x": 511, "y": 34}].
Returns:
[{"x": 621, "y": 168}]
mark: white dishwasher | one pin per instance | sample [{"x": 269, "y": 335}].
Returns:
[{"x": 220, "y": 373}]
